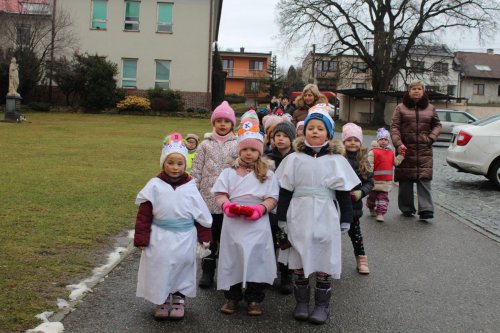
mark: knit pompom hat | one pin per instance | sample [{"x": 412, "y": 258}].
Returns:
[
  {"x": 300, "y": 123},
  {"x": 382, "y": 133},
  {"x": 173, "y": 143},
  {"x": 271, "y": 120},
  {"x": 287, "y": 128},
  {"x": 193, "y": 136},
  {"x": 224, "y": 111},
  {"x": 320, "y": 112},
  {"x": 248, "y": 132},
  {"x": 352, "y": 130}
]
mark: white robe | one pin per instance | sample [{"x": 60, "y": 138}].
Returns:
[
  {"x": 168, "y": 264},
  {"x": 313, "y": 222},
  {"x": 246, "y": 252}
]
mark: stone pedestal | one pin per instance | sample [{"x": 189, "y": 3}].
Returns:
[{"x": 13, "y": 108}]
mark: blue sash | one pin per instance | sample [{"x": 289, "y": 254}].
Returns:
[{"x": 178, "y": 225}]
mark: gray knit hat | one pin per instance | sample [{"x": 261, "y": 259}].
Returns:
[{"x": 287, "y": 128}]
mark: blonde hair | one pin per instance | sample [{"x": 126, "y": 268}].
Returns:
[
  {"x": 364, "y": 168},
  {"x": 313, "y": 89},
  {"x": 260, "y": 169},
  {"x": 417, "y": 83}
]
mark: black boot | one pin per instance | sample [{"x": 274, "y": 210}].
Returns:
[
  {"x": 286, "y": 286},
  {"x": 208, "y": 271},
  {"x": 321, "y": 307}
]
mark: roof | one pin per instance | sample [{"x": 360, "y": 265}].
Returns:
[
  {"x": 478, "y": 65},
  {"x": 365, "y": 93},
  {"x": 244, "y": 54},
  {"x": 25, "y": 6}
]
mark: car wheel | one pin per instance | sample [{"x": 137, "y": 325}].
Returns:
[{"x": 494, "y": 174}]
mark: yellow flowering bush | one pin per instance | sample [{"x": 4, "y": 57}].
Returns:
[{"x": 134, "y": 104}]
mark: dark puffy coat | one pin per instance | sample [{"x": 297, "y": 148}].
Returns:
[
  {"x": 417, "y": 126},
  {"x": 302, "y": 109},
  {"x": 366, "y": 184}
]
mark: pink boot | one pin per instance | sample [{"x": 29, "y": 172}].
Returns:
[{"x": 177, "y": 311}]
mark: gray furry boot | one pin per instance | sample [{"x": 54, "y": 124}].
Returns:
[
  {"x": 322, "y": 306},
  {"x": 302, "y": 294}
]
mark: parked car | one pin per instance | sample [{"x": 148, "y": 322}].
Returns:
[
  {"x": 475, "y": 148},
  {"x": 450, "y": 118}
]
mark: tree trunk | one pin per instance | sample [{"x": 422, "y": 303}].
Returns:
[{"x": 379, "y": 101}]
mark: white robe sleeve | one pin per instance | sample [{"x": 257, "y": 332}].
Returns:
[
  {"x": 343, "y": 177},
  {"x": 147, "y": 193},
  {"x": 285, "y": 175},
  {"x": 200, "y": 211},
  {"x": 273, "y": 188}
]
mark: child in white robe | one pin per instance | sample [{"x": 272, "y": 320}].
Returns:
[
  {"x": 172, "y": 215},
  {"x": 315, "y": 202},
  {"x": 246, "y": 190}
]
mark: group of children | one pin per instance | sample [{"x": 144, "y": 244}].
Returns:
[{"x": 241, "y": 204}]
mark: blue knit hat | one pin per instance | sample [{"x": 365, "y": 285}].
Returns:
[{"x": 320, "y": 112}]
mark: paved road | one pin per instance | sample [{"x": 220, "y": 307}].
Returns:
[{"x": 426, "y": 277}]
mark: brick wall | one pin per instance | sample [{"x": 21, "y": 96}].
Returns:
[{"x": 197, "y": 99}]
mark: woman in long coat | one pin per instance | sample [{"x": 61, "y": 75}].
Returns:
[{"x": 414, "y": 128}]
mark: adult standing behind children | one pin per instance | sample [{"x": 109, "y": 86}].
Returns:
[
  {"x": 414, "y": 128},
  {"x": 170, "y": 206},
  {"x": 310, "y": 96},
  {"x": 357, "y": 155},
  {"x": 247, "y": 190},
  {"x": 286, "y": 106},
  {"x": 208, "y": 164},
  {"x": 315, "y": 181},
  {"x": 283, "y": 135}
]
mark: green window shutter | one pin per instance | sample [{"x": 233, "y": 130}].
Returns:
[
  {"x": 99, "y": 14},
  {"x": 164, "y": 23},
  {"x": 129, "y": 73},
  {"x": 132, "y": 11}
]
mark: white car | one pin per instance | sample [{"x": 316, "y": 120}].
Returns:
[
  {"x": 475, "y": 148},
  {"x": 450, "y": 118}
]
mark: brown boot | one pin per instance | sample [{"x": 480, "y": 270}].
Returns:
[
  {"x": 362, "y": 263},
  {"x": 254, "y": 309},
  {"x": 229, "y": 307}
]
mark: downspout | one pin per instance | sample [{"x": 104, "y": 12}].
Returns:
[{"x": 209, "y": 67}]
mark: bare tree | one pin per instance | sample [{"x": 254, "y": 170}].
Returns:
[
  {"x": 393, "y": 27},
  {"x": 36, "y": 31}
]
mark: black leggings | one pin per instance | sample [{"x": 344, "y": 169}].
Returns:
[
  {"x": 356, "y": 238},
  {"x": 216, "y": 230}
]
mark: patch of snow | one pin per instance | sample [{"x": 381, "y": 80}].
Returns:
[
  {"x": 49, "y": 327},
  {"x": 62, "y": 303}
]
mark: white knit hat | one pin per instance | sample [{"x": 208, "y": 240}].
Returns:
[{"x": 173, "y": 143}]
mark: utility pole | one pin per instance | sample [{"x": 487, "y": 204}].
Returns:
[
  {"x": 52, "y": 41},
  {"x": 314, "y": 63}
]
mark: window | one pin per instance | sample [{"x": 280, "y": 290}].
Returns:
[
  {"x": 484, "y": 68},
  {"x": 35, "y": 8},
  {"x": 458, "y": 117},
  {"x": 432, "y": 88},
  {"x": 451, "y": 90},
  {"x": 99, "y": 14},
  {"x": 440, "y": 68},
  {"x": 359, "y": 67},
  {"x": 162, "y": 78},
  {"x": 256, "y": 65},
  {"x": 228, "y": 66},
  {"x": 326, "y": 66},
  {"x": 478, "y": 89},
  {"x": 417, "y": 66},
  {"x": 129, "y": 73},
  {"x": 23, "y": 35},
  {"x": 252, "y": 86},
  {"x": 359, "y": 85},
  {"x": 132, "y": 15},
  {"x": 164, "y": 19}
]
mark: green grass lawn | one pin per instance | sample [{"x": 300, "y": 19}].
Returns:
[{"x": 68, "y": 185}]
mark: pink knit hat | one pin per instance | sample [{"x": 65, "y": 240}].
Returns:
[
  {"x": 352, "y": 130},
  {"x": 224, "y": 111},
  {"x": 248, "y": 133}
]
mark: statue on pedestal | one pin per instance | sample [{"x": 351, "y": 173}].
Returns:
[{"x": 13, "y": 78}]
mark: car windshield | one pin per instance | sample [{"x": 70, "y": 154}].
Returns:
[{"x": 486, "y": 121}]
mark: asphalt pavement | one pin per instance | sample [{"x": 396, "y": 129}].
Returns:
[{"x": 437, "y": 276}]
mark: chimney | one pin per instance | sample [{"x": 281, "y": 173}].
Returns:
[
  {"x": 490, "y": 51},
  {"x": 242, "y": 50}
]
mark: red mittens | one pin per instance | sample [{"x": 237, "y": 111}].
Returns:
[
  {"x": 257, "y": 211},
  {"x": 241, "y": 210}
]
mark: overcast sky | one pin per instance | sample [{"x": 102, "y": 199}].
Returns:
[{"x": 252, "y": 24}]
